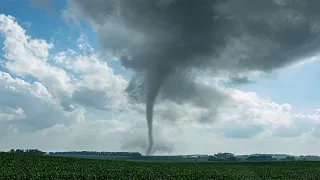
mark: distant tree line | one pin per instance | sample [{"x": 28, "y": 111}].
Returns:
[
  {"x": 289, "y": 158},
  {"x": 74, "y": 153},
  {"x": 27, "y": 151},
  {"x": 228, "y": 157},
  {"x": 93, "y": 153},
  {"x": 260, "y": 158}
]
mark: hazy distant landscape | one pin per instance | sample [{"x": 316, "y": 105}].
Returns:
[{"x": 136, "y": 156}]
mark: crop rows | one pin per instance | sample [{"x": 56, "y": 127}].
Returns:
[{"x": 14, "y": 166}]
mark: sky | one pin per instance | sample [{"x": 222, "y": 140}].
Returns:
[{"x": 60, "y": 91}]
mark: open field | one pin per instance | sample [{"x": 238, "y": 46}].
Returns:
[{"x": 14, "y": 166}]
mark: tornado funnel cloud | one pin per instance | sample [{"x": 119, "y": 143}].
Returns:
[
  {"x": 155, "y": 80},
  {"x": 149, "y": 116}
]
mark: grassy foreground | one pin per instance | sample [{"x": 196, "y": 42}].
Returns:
[{"x": 14, "y": 166}]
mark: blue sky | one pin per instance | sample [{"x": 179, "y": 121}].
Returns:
[
  {"x": 296, "y": 86},
  {"x": 43, "y": 24},
  {"x": 84, "y": 99}
]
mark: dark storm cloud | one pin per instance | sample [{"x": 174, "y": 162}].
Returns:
[
  {"x": 158, "y": 38},
  {"x": 174, "y": 34},
  {"x": 179, "y": 87},
  {"x": 238, "y": 80}
]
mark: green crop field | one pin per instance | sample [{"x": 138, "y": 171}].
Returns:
[{"x": 14, "y": 166}]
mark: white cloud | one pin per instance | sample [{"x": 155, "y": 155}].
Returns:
[
  {"x": 27, "y": 56},
  {"x": 29, "y": 107},
  {"x": 259, "y": 110},
  {"x": 10, "y": 114},
  {"x": 27, "y": 24},
  {"x": 309, "y": 60},
  {"x": 65, "y": 109},
  {"x": 41, "y": 102},
  {"x": 96, "y": 85}
]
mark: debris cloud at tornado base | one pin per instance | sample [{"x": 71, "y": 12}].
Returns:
[{"x": 164, "y": 40}]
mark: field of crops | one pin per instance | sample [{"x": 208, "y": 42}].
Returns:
[{"x": 14, "y": 166}]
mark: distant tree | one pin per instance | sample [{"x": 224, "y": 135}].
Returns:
[
  {"x": 34, "y": 151},
  {"x": 222, "y": 157},
  {"x": 19, "y": 151},
  {"x": 289, "y": 158},
  {"x": 213, "y": 158},
  {"x": 231, "y": 159},
  {"x": 26, "y": 151}
]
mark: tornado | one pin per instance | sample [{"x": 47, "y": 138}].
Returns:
[
  {"x": 151, "y": 97},
  {"x": 155, "y": 80}
]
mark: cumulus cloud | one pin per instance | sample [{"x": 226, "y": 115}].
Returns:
[
  {"x": 29, "y": 107},
  {"x": 61, "y": 82},
  {"x": 30, "y": 57},
  {"x": 26, "y": 56}
]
